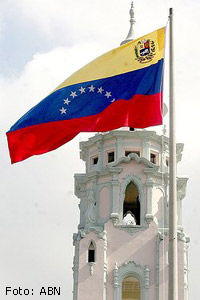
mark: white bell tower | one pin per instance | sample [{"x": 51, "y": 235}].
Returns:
[{"x": 121, "y": 248}]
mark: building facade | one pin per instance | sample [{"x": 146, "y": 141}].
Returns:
[{"x": 121, "y": 247}]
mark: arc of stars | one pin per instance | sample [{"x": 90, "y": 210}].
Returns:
[{"x": 82, "y": 90}]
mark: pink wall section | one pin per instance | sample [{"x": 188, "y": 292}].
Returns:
[
  {"x": 104, "y": 203},
  {"x": 140, "y": 248},
  {"x": 158, "y": 206},
  {"x": 90, "y": 287},
  {"x": 132, "y": 168}
]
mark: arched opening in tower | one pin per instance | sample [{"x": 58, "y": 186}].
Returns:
[
  {"x": 91, "y": 253},
  {"x": 131, "y": 289},
  {"x": 131, "y": 207}
]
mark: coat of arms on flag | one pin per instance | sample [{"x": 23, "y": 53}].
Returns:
[{"x": 145, "y": 50}]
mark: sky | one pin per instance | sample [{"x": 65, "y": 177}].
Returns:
[{"x": 42, "y": 43}]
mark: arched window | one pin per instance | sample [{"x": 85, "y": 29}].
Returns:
[
  {"x": 131, "y": 203},
  {"x": 131, "y": 289},
  {"x": 91, "y": 253}
]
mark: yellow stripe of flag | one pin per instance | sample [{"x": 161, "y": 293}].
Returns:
[{"x": 118, "y": 61}]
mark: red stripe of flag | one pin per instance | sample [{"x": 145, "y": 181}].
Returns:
[{"x": 139, "y": 112}]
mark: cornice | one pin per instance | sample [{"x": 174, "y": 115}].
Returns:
[
  {"x": 96, "y": 229},
  {"x": 133, "y": 156},
  {"x": 124, "y": 134}
]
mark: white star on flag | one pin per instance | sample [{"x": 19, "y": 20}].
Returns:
[
  {"x": 63, "y": 110},
  {"x": 82, "y": 90},
  {"x": 100, "y": 90},
  {"x": 66, "y": 101},
  {"x": 91, "y": 88},
  {"x": 108, "y": 94},
  {"x": 73, "y": 94}
]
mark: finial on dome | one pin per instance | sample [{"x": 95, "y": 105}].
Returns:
[{"x": 130, "y": 36}]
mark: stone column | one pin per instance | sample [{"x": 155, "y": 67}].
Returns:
[
  {"x": 99, "y": 165},
  {"x": 166, "y": 200},
  {"x": 146, "y": 282},
  {"x": 115, "y": 194},
  {"x": 149, "y": 186},
  {"x": 82, "y": 206},
  {"x": 146, "y": 149},
  {"x": 119, "y": 149},
  {"x": 160, "y": 237},
  {"x": 181, "y": 191},
  {"x": 103, "y": 236},
  {"x": 186, "y": 268},
  {"x": 76, "y": 242},
  {"x": 115, "y": 282}
]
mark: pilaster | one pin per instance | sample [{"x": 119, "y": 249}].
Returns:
[
  {"x": 146, "y": 148},
  {"x": 181, "y": 191},
  {"x": 103, "y": 236},
  {"x": 119, "y": 147},
  {"x": 149, "y": 187},
  {"x": 75, "y": 268},
  {"x": 115, "y": 282},
  {"x": 160, "y": 237},
  {"x": 99, "y": 165}
]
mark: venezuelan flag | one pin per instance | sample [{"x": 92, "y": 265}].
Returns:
[{"x": 120, "y": 88}]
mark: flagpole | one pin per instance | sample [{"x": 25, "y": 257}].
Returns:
[{"x": 173, "y": 271}]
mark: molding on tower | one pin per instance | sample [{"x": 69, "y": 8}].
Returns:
[
  {"x": 103, "y": 235},
  {"x": 116, "y": 277},
  {"x": 96, "y": 229},
  {"x": 147, "y": 138},
  {"x": 138, "y": 159},
  {"x": 182, "y": 184},
  {"x": 91, "y": 265},
  {"x": 131, "y": 268}
]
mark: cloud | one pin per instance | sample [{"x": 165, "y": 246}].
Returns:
[
  {"x": 41, "y": 75},
  {"x": 69, "y": 21}
]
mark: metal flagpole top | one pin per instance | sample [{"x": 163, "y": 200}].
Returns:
[{"x": 130, "y": 36}]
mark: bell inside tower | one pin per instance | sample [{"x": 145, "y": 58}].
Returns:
[{"x": 131, "y": 205}]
